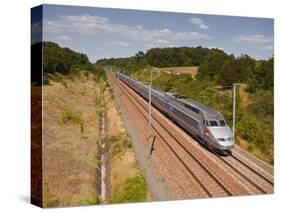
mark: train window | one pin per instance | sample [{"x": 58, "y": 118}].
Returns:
[
  {"x": 213, "y": 123},
  {"x": 222, "y": 123},
  {"x": 195, "y": 110}
]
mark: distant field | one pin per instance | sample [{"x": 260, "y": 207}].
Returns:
[{"x": 180, "y": 70}]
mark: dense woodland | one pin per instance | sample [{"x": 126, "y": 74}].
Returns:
[
  {"x": 59, "y": 61},
  {"x": 62, "y": 60},
  {"x": 216, "y": 69}
]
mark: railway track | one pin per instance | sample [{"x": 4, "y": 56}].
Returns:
[
  {"x": 250, "y": 175},
  {"x": 204, "y": 172},
  {"x": 166, "y": 167},
  {"x": 206, "y": 179},
  {"x": 261, "y": 173}
]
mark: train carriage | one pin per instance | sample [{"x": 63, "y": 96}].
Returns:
[{"x": 205, "y": 123}]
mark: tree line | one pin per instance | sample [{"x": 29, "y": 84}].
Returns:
[
  {"x": 60, "y": 60},
  {"x": 161, "y": 57},
  {"x": 214, "y": 64},
  {"x": 226, "y": 69}
]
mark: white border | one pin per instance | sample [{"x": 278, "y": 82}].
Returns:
[{"x": 15, "y": 101}]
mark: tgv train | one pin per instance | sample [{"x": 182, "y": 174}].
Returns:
[{"x": 203, "y": 122}]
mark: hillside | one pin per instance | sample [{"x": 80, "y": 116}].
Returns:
[{"x": 70, "y": 131}]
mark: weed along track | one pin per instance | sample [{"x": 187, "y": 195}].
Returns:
[{"x": 116, "y": 163}]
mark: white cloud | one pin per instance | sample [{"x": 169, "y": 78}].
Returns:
[
  {"x": 63, "y": 37},
  {"x": 95, "y": 25},
  {"x": 256, "y": 39},
  {"x": 198, "y": 22},
  {"x": 159, "y": 43},
  {"x": 162, "y": 41},
  {"x": 117, "y": 43},
  {"x": 268, "y": 48}
]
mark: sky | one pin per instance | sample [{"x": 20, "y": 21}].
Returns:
[{"x": 105, "y": 33}]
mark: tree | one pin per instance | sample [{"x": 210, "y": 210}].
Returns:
[
  {"x": 237, "y": 70},
  {"x": 229, "y": 73},
  {"x": 213, "y": 63},
  {"x": 246, "y": 68},
  {"x": 263, "y": 76},
  {"x": 62, "y": 60}
]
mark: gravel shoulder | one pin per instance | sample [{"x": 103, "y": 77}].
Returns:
[{"x": 265, "y": 166}]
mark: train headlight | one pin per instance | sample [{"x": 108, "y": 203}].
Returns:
[{"x": 207, "y": 134}]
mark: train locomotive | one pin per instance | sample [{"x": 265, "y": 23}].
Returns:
[{"x": 203, "y": 122}]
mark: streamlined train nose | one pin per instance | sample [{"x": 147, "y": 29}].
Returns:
[
  {"x": 223, "y": 136},
  {"x": 221, "y": 133}
]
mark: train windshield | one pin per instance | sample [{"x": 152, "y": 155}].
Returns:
[
  {"x": 216, "y": 123},
  {"x": 222, "y": 123},
  {"x": 213, "y": 123}
]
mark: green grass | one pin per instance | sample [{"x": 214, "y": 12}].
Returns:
[
  {"x": 69, "y": 115},
  {"x": 133, "y": 190}
]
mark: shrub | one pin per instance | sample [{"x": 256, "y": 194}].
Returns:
[
  {"x": 133, "y": 190},
  {"x": 68, "y": 115},
  {"x": 56, "y": 77}
]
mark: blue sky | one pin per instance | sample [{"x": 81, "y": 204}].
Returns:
[{"x": 105, "y": 33}]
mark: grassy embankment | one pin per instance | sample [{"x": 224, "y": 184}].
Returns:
[
  {"x": 254, "y": 129},
  {"x": 70, "y": 133},
  {"x": 71, "y": 118}
]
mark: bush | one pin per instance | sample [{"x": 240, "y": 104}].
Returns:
[
  {"x": 68, "y": 115},
  {"x": 133, "y": 190},
  {"x": 56, "y": 77}
]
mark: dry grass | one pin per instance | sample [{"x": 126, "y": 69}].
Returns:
[
  {"x": 69, "y": 154},
  {"x": 192, "y": 70},
  {"x": 70, "y": 134},
  {"x": 252, "y": 149}
]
